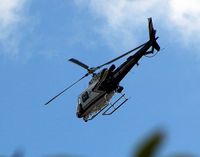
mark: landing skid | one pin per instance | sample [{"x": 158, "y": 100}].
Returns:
[{"x": 110, "y": 108}]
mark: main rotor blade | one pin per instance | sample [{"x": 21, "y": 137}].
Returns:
[
  {"x": 79, "y": 63},
  {"x": 115, "y": 59},
  {"x": 66, "y": 89}
]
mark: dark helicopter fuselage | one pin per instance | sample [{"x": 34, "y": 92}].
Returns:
[{"x": 106, "y": 83}]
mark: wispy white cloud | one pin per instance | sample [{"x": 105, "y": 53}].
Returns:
[
  {"x": 185, "y": 16},
  {"x": 11, "y": 18},
  {"x": 124, "y": 17}
]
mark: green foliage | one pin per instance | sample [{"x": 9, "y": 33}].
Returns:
[
  {"x": 148, "y": 148},
  {"x": 151, "y": 146}
]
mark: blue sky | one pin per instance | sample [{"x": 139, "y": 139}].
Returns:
[{"x": 38, "y": 37}]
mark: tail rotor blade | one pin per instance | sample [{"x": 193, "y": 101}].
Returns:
[{"x": 65, "y": 89}]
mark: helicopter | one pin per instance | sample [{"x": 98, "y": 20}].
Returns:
[{"x": 106, "y": 83}]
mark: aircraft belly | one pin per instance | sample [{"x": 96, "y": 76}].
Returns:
[
  {"x": 95, "y": 99},
  {"x": 98, "y": 103}
]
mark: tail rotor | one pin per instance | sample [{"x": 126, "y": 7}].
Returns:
[{"x": 152, "y": 35}]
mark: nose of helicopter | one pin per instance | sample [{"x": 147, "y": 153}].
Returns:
[
  {"x": 78, "y": 114},
  {"x": 79, "y": 110}
]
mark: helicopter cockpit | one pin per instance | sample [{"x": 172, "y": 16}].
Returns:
[
  {"x": 85, "y": 98},
  {"x": 88, "y": 95}
]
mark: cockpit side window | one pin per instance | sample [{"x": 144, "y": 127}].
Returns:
[
  {"x": 79, "y": 100},
  {"x": 85, "y": 96}
]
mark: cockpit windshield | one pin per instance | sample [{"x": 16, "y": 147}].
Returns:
[{"x": 85, "y": 96}]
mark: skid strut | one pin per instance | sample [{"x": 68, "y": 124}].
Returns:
[
  {"x": 112, "y": 108},
  {"x": 98, "y": 112}
]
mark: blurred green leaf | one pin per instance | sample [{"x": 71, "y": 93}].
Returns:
[{"x": 150, "y": 146}]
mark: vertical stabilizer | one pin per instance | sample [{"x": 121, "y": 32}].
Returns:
[{"x": 152, "y": 35}]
